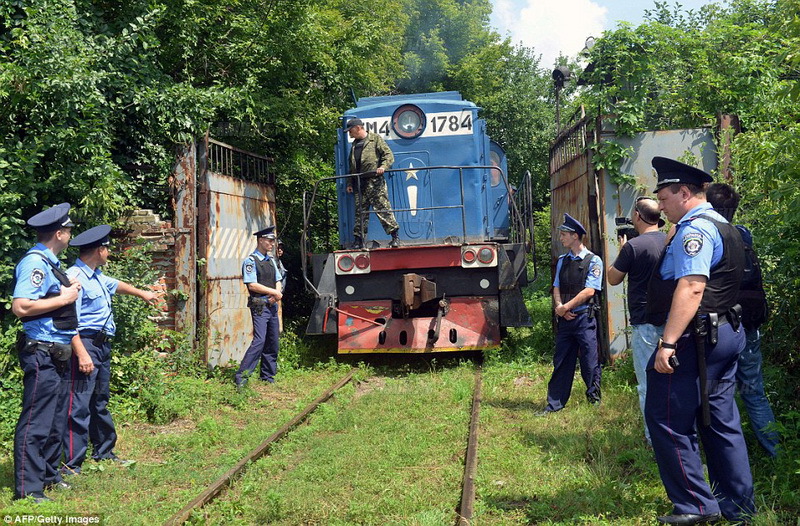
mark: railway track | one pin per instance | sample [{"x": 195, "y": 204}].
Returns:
[
  {"x": 467, "y": 505},
  {"x": 463, "y": 512},
  {"x": 225, "y": 480}
]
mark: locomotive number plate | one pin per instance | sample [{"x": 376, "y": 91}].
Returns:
[{"x": 441, "y": 124}]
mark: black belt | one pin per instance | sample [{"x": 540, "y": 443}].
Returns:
[{"x": 99, "y": 338}]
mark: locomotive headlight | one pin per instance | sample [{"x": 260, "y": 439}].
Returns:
[
  {"x": 346, "y": 263},
  {"x": 486, "y": 255},
  {"x": 408, "y": 121}
]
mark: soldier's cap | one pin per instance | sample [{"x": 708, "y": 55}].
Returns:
[
  {"x": 94, "y": 237},
  {"x": 572, "y": 225},
  {"x": 355, "y": 121},
  {"x": 268, "y": 233},
  {"x": 52, "y": 218},
  {"x": 671, "y": 172}
]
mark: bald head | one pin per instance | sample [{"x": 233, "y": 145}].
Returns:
[{"x": 648, "y": 214}]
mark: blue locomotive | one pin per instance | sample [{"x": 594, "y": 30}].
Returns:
[{"x": 465, "y": 232}]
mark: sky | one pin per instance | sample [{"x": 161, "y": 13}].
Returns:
[{"x": 550, "y": 26}]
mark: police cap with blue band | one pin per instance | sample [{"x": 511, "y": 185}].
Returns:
[
  {"x": 672, "y": 172},
  {"x": 52, "y": 218},
  {"x": 94, "y": 237},
  {"x": 572, "y": 225},
  {"x": 268, "y": 233}
]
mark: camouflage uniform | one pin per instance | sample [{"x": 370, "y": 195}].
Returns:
[{"x": 375, "y": 154}]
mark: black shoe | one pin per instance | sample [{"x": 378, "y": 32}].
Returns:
[
  {"x": 395, "y": 242},
  {"x": 690, "y": 518},
  {"x": 358, "y": 244},
  {"x": 595, "y": 401},
  {"x": 41, "y": 500},
  {"x": 61, "y": 485}
]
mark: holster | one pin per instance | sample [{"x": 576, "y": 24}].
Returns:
[
  {"x": 735, "y": 317},
  {"x": 60, "y": 353},
  {"x": 713, "y": 328},
  {"x": 21, "y": 340},
  {"x": 700, "y": 334},
  {"x": 100, "y": 338},
  {"x": 257, "y": 304}
]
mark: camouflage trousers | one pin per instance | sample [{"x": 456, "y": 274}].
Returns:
[{"x": 375, "y": 194}]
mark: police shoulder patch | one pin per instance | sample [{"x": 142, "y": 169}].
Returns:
[
  {"x": 37, "y": 277},
  {"x": 249, "y": 266},
  {"x": 596, "y": 271},
  {"x": 692, "y": 243}
]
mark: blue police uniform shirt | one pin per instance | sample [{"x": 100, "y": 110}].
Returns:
[
  {"x": 94, "y": 298},
  {"x": 249, "y": 267},
  {"x": 35, "y": 279},
  {"x": 696, "y": 247},
  {"x": 595, "y": 278}
]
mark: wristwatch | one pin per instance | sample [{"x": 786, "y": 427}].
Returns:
[{"x": 665, "y": 345}]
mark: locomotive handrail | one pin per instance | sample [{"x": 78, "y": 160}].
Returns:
[{"x": 517, "y": 227}]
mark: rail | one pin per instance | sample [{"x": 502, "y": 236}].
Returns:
[
  {"x": 225, "y": 480},
  {"x": 467, "y": 505}
]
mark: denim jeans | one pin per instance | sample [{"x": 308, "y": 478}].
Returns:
[
  {"x": 644, "y": 339},
  {"x": 750, "y": 383}
]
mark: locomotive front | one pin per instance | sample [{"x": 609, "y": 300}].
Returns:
[{"x": 455, "y": 280}]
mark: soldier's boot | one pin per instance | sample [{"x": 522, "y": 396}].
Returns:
[
  {"x": 395, "y": 242},
  {"x": 358, "y": 243}
]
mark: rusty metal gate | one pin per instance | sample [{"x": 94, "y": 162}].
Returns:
[
  {"x": 235, "y": 197},
  {"x": 590, "y": 196},
  {"x": 574, "y": 190}
]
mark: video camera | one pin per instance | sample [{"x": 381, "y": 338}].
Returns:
[{"x": 625, "y": 227}]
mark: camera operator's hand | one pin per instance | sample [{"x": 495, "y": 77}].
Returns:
[{"x": 622, "y": 238}]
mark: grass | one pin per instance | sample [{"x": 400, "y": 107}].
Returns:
[
  {"x": 376, "y": 455},
  {"x": 388, "y": 449},
  {"x": 174, "y": 462}
]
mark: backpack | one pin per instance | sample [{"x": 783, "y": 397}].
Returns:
[{"x": 752, "y": 297}]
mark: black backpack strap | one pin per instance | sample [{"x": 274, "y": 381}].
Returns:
[{"x": 60, "y": 275}]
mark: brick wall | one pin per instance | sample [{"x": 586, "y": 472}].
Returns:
[{"x": 148, "y": 226}]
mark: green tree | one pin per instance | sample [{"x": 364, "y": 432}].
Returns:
[{"x": 516, "y": 100}]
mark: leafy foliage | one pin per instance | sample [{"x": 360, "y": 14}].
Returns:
[{"x": 684, "y": 69}]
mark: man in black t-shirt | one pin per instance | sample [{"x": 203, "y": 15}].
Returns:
[{"x": 637, "y": 258}]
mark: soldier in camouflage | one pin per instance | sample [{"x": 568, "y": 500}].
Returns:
[{"x": 370, "y": 155}]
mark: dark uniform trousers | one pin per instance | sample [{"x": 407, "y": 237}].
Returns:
[
  {"x": 264, "y": 346},
  {"x": 37, "y": 440},
  {"x": 88, "y": 415},
  {"x": 673, "y": 415},
  {"x": 576, "y": 340}
]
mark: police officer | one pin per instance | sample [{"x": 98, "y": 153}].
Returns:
[
  {"x": 579, "y": 276},
  {"x": 88, "y": 415},
  {"x": 44, "y": 299},
  {"x": 262, "y": 278},
  {"x": 691, "y": 376},
  {"x": 370, "y": 153}
]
